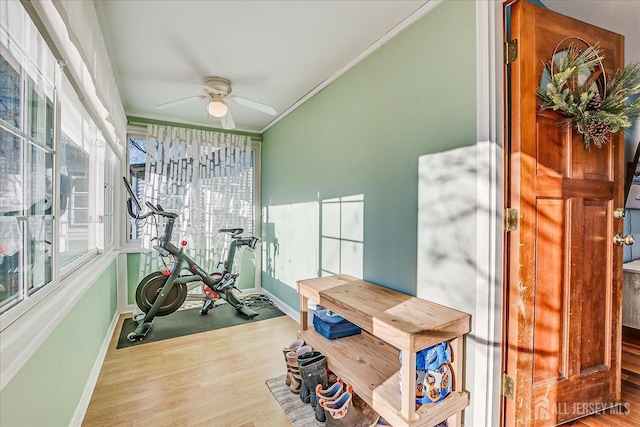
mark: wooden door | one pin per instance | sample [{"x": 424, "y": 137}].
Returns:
[{"x": 564, "y": 273}]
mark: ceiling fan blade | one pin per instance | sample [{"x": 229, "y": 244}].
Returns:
[
  {"x": 227, "y": 121},
  {"x": 179, "y": 102},
  {"x": 253, "y": 104}
]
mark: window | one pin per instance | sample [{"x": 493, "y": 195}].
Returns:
[
  {"x": 37, "y": 157},
  {"x": 211, "y": 185},
  {"x": 79, "y": 202},
  {"x": 81, "y": 156},
  {"x": 27, "y": 97}
]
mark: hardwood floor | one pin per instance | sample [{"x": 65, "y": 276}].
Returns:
[
  {"x": 629, "y": 413},
  {"x": 217, "y": 378},
  {"x": 214, "y": 378}
]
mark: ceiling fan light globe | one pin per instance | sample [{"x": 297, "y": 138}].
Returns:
[{"x": 217, "y": 109}]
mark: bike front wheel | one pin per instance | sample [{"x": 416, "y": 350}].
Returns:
[{"x": 149, "y": 288}]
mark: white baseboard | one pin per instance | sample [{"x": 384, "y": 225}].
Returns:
[
  {"x": 294, "y": 314},
  {"x": 83, "y": 404},
  {"x": 282, "y": 306}
]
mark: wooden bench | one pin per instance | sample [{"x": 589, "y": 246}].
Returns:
[{"x": 391, "y": 321}]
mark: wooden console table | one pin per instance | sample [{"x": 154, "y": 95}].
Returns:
[{"x": 391, "y": 321}]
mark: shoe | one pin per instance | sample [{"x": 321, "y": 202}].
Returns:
[
  {"x": 291, "y": 347},
  {"x": 313, "y": 370},
  {"x": 292, "y": 365},
  {"x": 329, "y": 395},
  {"x": 349, "y": 410},
  {"x": 292, "y": 362},
  {"x": 332, "y": 392},
  {"x": 305, "y": 393}
]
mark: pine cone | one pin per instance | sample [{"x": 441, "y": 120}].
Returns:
[
  {"x": 597, "y": 130},
  {"x": 595, "y": 103}
]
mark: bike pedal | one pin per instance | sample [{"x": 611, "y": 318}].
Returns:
[{"x": 208, "y": 305}]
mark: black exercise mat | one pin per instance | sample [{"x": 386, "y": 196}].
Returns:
[{"x": 190, "y": 321}]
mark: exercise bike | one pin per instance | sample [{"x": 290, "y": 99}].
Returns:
[{"x": 163, "y": 292}]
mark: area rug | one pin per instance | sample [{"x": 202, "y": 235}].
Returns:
[
  {"x": 300, "y": 414},
  {"x": 190, "y": 321}
]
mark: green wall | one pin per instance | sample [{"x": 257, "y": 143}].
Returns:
[
  {"x": 360, "y": 139},
  {"x": 133, "y": 276},
  {"x": 48, "y": 388}
]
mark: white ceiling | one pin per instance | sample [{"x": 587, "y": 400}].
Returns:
[{"x": 274, "y": 52}]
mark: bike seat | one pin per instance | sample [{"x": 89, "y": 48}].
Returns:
[{"x": 233, "y": 231}]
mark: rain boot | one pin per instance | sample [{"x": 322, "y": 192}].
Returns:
[
  {"x": 292, "y": 364},
  {"x": 313, "y": 370},
  {"x": 330, "y": 394},
  {"x": 305, "y": 392},
  {"x": 349, "y": 410},
  {"x": 291, "y": 347},
  {"x": 305, "y": 395}
]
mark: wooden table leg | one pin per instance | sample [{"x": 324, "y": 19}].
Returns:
[
  {"x": 458, "y": 357},
  {"x": 304, "y": 313}
]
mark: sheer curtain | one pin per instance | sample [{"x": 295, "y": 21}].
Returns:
[{"x": 207, "y": 179}]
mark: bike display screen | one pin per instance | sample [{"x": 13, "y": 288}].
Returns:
[{"x": 132, "y": 195}]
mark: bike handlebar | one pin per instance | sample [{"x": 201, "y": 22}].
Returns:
[
  {"x": 153, "y": 210},
  {"x": 130, "y": 204},
  {"x": 133, "y": 200},
  {"x": 157, "y": 210}
]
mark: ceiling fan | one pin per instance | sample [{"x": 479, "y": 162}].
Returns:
[{"x": 218, "y": 92}]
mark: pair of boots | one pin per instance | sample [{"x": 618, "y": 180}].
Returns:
[
  {"x": 291, "y": 353},
  {"x": 341, "y": 407}
]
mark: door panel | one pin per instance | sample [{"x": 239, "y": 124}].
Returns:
[
  {"x": 550, "y": 318},
  {"x": 563, "y": 280},
  {"x": 595, "y": 311},
  {"x": 552, "y": 160}
]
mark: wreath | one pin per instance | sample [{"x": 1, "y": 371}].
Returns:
[{"x": 577, "y": 88}]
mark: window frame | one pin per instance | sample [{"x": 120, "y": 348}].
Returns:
[
  {"x": 32, "y": 80},
  {"x": 65, "y": 279},
  {"x": 108, "y": 235},
  {"x": 129, "y": 244},
  {"x": 74, "y": 209}
]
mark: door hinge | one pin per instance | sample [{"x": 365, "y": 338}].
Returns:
[
  {"x": 510, "y": 51},
  {"x": 507, "y": 387},
  {"x": 510, "y": 219}
]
